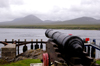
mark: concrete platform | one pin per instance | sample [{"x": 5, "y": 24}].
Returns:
[{"x": 36, "y": 64}]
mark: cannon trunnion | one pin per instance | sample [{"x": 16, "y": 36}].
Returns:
[{"x": 66, "y": 49}]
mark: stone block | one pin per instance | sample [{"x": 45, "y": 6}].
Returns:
[
  {"x": 36, "y": 64},
  {"x": 9, "y": 51}
]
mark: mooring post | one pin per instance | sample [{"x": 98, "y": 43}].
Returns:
[
  {"x": 31, "y": 43},
  {"x": 25, "y": 47},
  {"x": 36, "y": 46},
  {"x": 41, "y": 46},
  {"x": 18, "y": 45}
]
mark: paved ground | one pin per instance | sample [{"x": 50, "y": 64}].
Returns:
[{"x": 36, "y": 64}]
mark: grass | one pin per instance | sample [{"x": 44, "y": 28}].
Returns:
[
  {"x": 98, "y": 62},
  {"x": 21, "y": 62},
  {"x": 86, "y": 27},
  {"x": 25, "y": 62}
]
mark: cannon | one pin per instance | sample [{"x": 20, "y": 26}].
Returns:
[
  {"x": 65, "y": 49},
  {"x": 72, "y": 45}
]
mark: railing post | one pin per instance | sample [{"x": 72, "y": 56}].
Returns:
[
  {"x": 25, "y": 41},
  {"x": 93, "y": 49},
  {"x": 18, "y": 45},
  {"x": 36, "y": 46},
  {"x": 25, "y": 47},
  {"x": 41, "y": 46},
  {"x": 88, "y": 50},
  {"x": 12, "y": 41},
  {"x": 31, "y": 43},
  {"x": 5, "y": 41}
]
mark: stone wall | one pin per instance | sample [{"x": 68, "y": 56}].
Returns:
[{"x": 9, "y": 51}]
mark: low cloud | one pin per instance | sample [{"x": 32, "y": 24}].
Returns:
[
  {"x": 49, "y": 9},
  {"x": 4, "y": 3}
]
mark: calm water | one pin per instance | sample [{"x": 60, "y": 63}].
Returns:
[{"x": 28, "y": 34}]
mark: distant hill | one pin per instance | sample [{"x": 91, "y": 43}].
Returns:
[
  {"x": 48, "y": 21},
  {"x": 28, "y": 20},
  {"x": 33, "y": 20},
  {"x": 81, "y": 20}
]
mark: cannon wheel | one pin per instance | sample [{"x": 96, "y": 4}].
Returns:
[{"x": 45, "y": 59}]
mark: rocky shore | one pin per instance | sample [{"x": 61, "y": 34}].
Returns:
[{"x": 29, "y": 54}]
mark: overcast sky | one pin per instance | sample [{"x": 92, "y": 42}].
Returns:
[{"x": 49, "y": 9}]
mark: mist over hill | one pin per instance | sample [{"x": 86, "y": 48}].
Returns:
[{"x": 33, "y": 20}]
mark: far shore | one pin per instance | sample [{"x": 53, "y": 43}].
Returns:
[{"x": 79, "y": 27}]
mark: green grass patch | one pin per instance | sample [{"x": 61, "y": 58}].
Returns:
[
  {"x": 25, "y": 62},
  {"x": 3, "y": 61},
  {"x": 98, "y": 62},
  {"x": 22, "y": 62}
]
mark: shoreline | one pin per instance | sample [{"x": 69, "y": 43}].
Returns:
[
  {"x": 49, "y": 28},
  {"x": 64, "y": 27}
]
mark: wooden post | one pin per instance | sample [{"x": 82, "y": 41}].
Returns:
[
  {"x": 25, "y": 41},
  {"x": 5, "y": 41},
  {"x": 18, "y": 45},
  {"x": 31, "y": 44},
  {"x": 36, "y": 46},
  {"x": 36, "y": 41},
  {"x": 12, "y": 41},
  {"x": 24, "y": 47},
  {"x": 41, "y": 46}
]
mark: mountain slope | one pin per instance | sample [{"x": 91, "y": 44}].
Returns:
[
  {"x": 33, "y": 20},
  {"x": 28, "y": 20},
  {"x": 81, "y": 20}
]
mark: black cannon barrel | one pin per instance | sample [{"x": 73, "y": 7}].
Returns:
[{"x": 69, "y": 43}]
